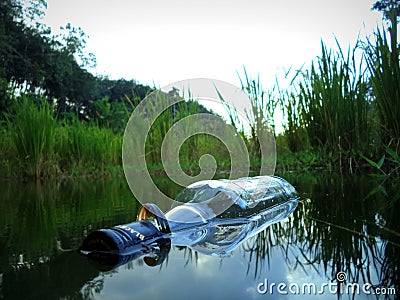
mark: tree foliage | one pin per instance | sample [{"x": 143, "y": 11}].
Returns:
[
  {"x": 387, "y": 7},
  {"x": 34, "y": 61}
]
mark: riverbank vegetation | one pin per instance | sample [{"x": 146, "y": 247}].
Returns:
[{"x": 57, "y": 119}]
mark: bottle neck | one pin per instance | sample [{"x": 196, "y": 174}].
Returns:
[{"x": 189, "y": 215}]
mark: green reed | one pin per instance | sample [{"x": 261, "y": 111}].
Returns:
[
  {"x": 262, "y": 109},
  {"x": 35, "y": 144},
  {"x": 157, "y": 102},
  {"x": 5, "y": 142},
  {"x": 334, "y": 102},
  {"x": 32, "y": 129},
  {"x": 295, "y": 134},
  {"x": 384, "y": 67},
  {"x": 194, "y": 146},
  {"x": 46, "y": 146},
  {"x": 258, "y": 121},
  {"x": 86, "y": 147},
  {"x": 262, "y": 103}
]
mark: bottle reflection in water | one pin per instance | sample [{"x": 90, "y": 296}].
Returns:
[{"x": 214, "y": 217}]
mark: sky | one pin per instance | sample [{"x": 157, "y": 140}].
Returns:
[{"x": 160, "y": 42}]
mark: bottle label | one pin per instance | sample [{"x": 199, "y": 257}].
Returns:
[{"x": 132, "y": 231}]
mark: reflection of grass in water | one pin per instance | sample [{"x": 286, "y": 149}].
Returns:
[
  {"x": 361, "y": 234},
  {"x": 345, "y": 242},
  {"x": 190, "y": 256},
  {"x": 33, "y": 224},
  {"x": 259, "y": 248},
  {"x": 38, "y": 219},
  {"x": 339, "y": 234}
]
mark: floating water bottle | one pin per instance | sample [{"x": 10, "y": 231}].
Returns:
[
  {"x": 213, "y": 217},
  {"x": 224, "y": 198},
  {"x": 218, "y": 215}
]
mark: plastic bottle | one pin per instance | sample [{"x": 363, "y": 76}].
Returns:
[
  {"x": 253, "y": 203},
  {"x": 214, "y": 217},
  {"x": 224, "y": 198}
]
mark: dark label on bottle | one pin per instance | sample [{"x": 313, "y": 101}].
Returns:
[{"x": 133, "y": 232}]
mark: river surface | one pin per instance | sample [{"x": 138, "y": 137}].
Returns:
[{"x": 342, "y": 241}]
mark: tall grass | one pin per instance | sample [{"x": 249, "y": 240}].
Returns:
[
  {"x": 384, "y": 67},
  {"x": 157, "y": 102},
  {"x": 35, "y": 144},
  {"x": 32, "y": 132},
  {"x": 259, "y": 116},
  {"x": 328, "y": 107},
  {"x": 87, "y": 148},
  {"x": 45, "y": 146},
  {"x": 262, "y": 103},
  {"x": 193, "y": 147},
  {"x": 334, "y": 103},
  {"x": 5, "y": 141},
  {"x": 295, "y": 133}
]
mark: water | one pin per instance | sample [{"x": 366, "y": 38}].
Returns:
[{"x": 348, "y": 225}]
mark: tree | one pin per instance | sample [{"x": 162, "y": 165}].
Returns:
[
  {"x": 32, "y": 60},
  {"x": 391, "y": 12},
  {"x": 388, "y": 7}
]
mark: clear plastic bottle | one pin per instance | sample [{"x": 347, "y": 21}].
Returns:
[
  {"x": 248, "y": 206},
  {"x": 213, "y": 217},
  {"x": 244, "y": 197}
]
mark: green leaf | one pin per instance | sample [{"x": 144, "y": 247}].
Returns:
[
  {"x": 393, "y": 154},
  {"x": 380, "y": 163},
  {"x": 371, "y": 162}
]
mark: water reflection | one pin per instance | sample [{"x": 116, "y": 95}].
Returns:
[
  {"x": 342, "y": 224},
  {"x": 350, "y": 226}
]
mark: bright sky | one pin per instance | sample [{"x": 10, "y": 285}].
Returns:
[{"x": 160, "y": 42}]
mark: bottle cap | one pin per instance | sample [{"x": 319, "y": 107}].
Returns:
[{"x": 161, "y": 220}]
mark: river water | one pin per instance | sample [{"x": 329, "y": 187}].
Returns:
[{"x": 343, "y": 227}]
